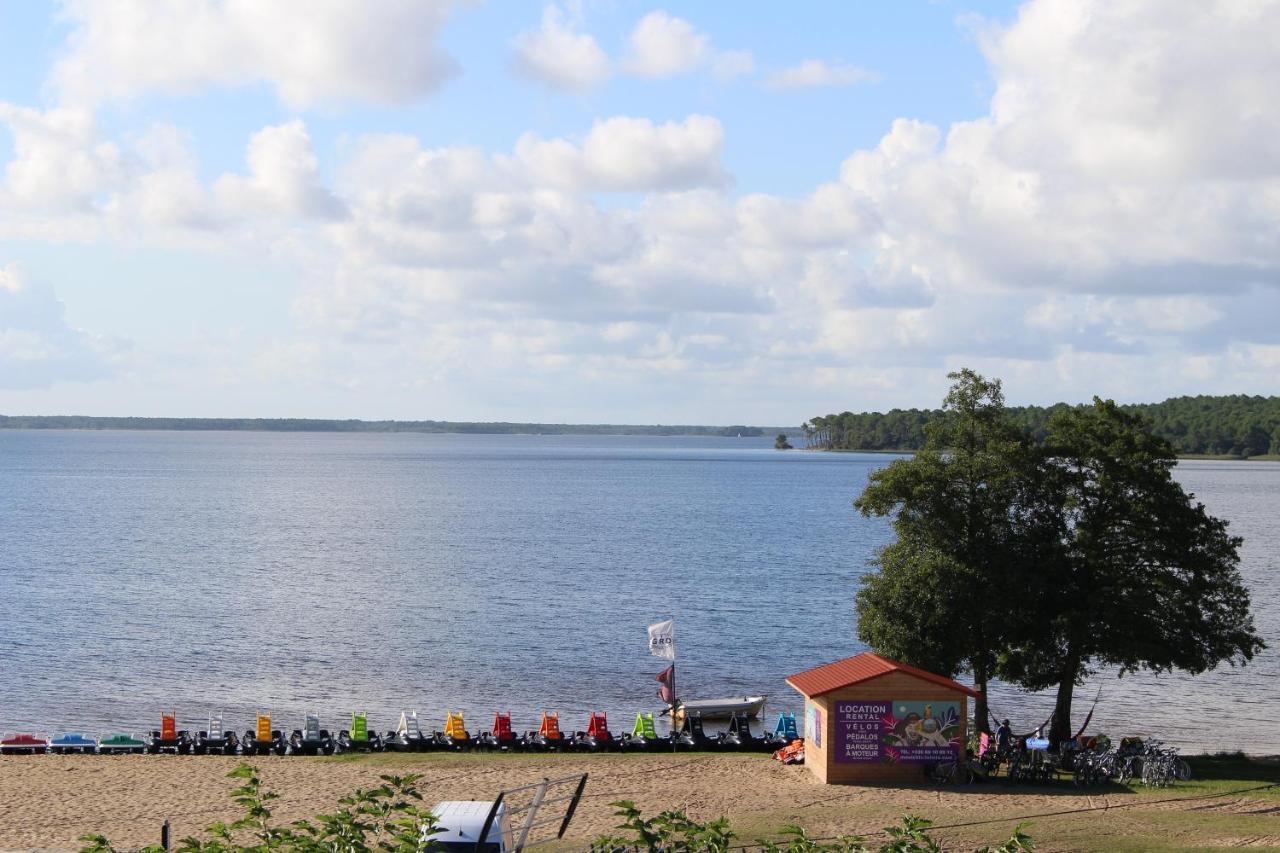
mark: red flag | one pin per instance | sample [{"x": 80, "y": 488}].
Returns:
[{"x": 666, "y": 678}]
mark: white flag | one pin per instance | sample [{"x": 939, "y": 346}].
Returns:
[{"x": 662, "y": 639}]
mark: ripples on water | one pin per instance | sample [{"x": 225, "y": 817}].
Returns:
[{"x": 285, "y": 572}]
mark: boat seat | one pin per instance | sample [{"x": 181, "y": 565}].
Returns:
[
  {"x": 454, "y": 727},
  {"x": 550, "y": 728},
  {"x": 409, "y": 726},
  {"x": 644, "y": 727}
]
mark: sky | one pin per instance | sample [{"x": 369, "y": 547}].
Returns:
[{"x": 616, "y": 211}]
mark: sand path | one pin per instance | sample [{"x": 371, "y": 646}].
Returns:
[{"x": 47, "y": 802}]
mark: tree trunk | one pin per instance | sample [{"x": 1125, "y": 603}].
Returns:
[
  {"x": 981, "y": 716},
  {"x": 1060, "y": 728}
]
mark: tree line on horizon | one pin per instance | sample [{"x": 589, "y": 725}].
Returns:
[
  {"x": 352, "y": 425},
  {"x": 1228, "y": 425}
]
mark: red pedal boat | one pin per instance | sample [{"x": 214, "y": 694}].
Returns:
[{"x": 23, "y": 743}]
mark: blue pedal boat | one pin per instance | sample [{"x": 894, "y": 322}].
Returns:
[{"x": 71, "y": 743}]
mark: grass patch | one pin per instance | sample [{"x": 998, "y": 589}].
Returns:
[{"x": 1234, "y": 765}]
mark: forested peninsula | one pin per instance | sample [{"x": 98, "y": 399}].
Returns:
[
  {"x": 1236, "y": 425},
  {"x": 318, "y": 425}
]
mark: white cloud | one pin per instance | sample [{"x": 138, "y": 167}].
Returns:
[
  {"x": 310, "y": 51},
  {"x": 664, "y": 46},
  {"x": 37, "y": 346},
  {"x": 558, "y": 56},
  {"x": 283, "y": 179},
  {"x": 625, "y": 154},
  {"x": 814, "y": 73},
  {"x": 59, "y": 162},
  {"x": 1082, "y": 237}
]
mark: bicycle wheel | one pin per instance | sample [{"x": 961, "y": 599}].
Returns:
[{"x": 1181, "y": 770}]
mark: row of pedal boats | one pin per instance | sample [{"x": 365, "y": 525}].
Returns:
[{"x": 408, "y": 736}]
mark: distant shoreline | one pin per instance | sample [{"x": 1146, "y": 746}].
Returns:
[
  {"x": 321, "y": 425},
  {"x": 86, "y": 423}
]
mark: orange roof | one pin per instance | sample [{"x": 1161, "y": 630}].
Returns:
[{"x": 859, "y": 668}]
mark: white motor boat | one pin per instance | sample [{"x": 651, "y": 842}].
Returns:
[{"x": 715, "y": 709}]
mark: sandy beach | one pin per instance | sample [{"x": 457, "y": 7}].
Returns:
[{"x": 47, "y": 802}]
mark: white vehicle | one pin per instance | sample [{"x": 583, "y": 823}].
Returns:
[
  {"x": 462, "y": 821},
  {"x": 518, "y": 819}
]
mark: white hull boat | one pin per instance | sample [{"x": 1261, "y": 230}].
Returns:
[{"x": 712, "y": 709}]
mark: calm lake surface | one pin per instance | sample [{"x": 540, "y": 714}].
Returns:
[{"x": 289, "y": 572}]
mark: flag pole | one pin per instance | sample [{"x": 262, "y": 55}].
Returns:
[{"x": 674, "y": 699}]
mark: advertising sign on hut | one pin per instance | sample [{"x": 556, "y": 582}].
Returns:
[
  {"x": 813, "y": 724},
  {"x": 859, "y": 730},
  {"x": 897, "y": 731}
]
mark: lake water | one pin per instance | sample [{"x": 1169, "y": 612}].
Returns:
[{"x": 288, "y": 572}]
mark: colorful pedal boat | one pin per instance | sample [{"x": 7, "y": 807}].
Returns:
[
  {"x": 500, "y": 735},
  {"x": 644, "y": 736},
  {"x": 69, "y": 743},
  {"x": 216, "y": 738},
  {"x": 311, "y": 739},
  {"x": 548, "y": 737},
  {"x": 23, "y": 743},
  {"x": 263, "y": 740},
  {"x": 168, "y": 738},
  {"x": 455, "y": 734},
  {"x": 597, "y": 737},
  {"x": 358, "y": 738},
  {"x": 121, "y": 743},
  {"x": 408, "y": 736},
  {"x": 785, "y": 732}
]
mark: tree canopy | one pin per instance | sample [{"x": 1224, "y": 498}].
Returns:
[
  {"x": 1040, "y": 559},
  {"x": 1137, "y": 576},
  {"x": 931, "y": 603}
]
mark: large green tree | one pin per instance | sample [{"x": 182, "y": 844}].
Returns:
[
  {"x": 1137, "y": 574},
  {"x": 937, "y": 596}
]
